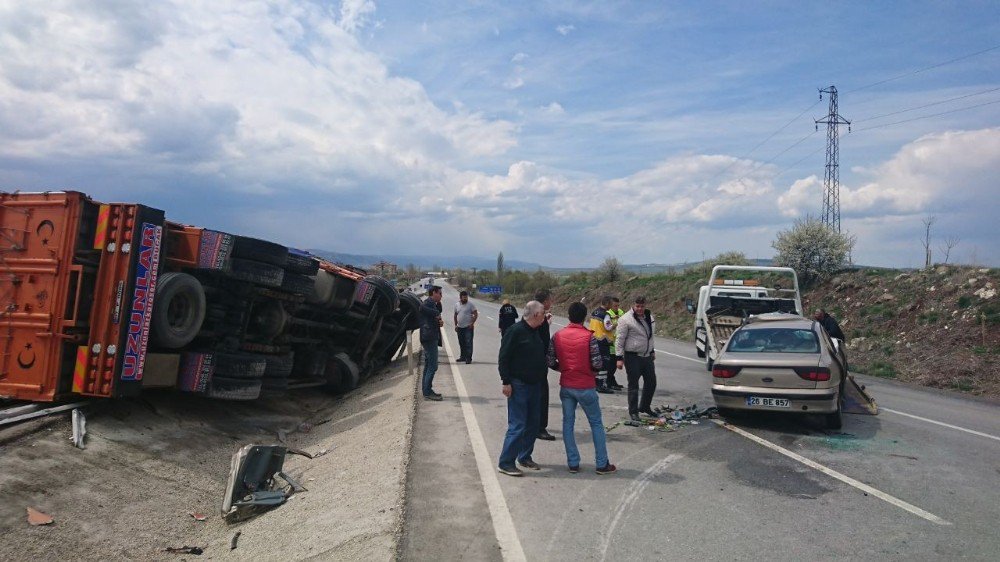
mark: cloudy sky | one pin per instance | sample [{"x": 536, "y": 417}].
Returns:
[{"x": 559, "y": 132}]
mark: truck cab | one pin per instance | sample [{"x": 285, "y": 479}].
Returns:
[{"x": 730, "y": 298}]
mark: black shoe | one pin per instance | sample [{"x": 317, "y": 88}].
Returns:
[
  {"x": 433, "y": 396},
  {"x": 604, "y": 390},
  {"x": 635, "y": 417},
  {"x": 649, "y": 413},
  {"x": 544, "y": 435},
  {"x": 468, "y": 361},
  {"x": 528, "y": 463},
  {"x": 510, "y": 471},
  {"x": 607, "y": 469},
  {"x": 616, "y": 386}
]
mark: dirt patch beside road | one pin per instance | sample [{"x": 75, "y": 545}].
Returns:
[{"x": 151, "y": 462}]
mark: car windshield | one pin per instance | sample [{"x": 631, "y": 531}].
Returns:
[{"x": 774, "y": 340}]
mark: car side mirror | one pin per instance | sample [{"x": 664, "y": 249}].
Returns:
[{"x": 691, "y": 306}]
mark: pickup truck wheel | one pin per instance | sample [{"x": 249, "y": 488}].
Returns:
[
  {"x": 386, "y": 296},
  {"x": 260, "y": 250},
  {"x": 409, "y": 303},
  {"x": 178, "y": 310},
  {"x": 301, "y": 262},
  {"x": 225, "y": 388},
  {"x": 261, "y": 273},
  {"x": 239, "y": 365},
  {"x": 701, "y": 352},
  {"x": 297, "y": 283}
]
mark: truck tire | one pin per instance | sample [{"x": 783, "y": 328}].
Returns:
[
  {"x": 386, "y": 297},
  {"x": 297, "y": 284},
  {"x": 278, "y": 366},
  {"x": 225, "y": 388},
  {"x": 310, "y": 363},
  {"x": 259, "y": 250},
  {"x": 301, "y": 262},
  {"x": 241, "y": 366},
  {"x": 257, "y": 272},
  {"x": 178, "y": 310},
  {"x": 408, "y": 302},
  {"x": 269, "y": 319},
  {"x": 350, "y": 374}
]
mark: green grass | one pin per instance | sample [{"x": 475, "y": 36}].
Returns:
[
  {"x": 985, "y": 350},
  {"x": 963, "y": 384},
  {"x": 880, "y": 310},
  {"x": 964, "y": 301},
  {"x": 883, "y": 369},
  {"x": 929, "y": 317}
]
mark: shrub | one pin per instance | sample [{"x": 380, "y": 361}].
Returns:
[
  {"x": 882, "y": 369},
  {"x": 964, "y": 301},
  {"x": 610, "y": 271},
  {"x": 812, "y": 249}
]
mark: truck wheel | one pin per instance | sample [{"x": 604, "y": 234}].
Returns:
[
  {"x": 269, "y": 319},
  {"x": 297, "y": 283},
  {"x": 225, "y": 388},
  {"x": 386, "y": 296},
  {"x": 239, "y": 365},
  {"x": 178, "y": 310},
  {"x": 350, "y": 374},
  {"x": 301, "y": 262},
  {"x": 278, "y": 366},
  {"x": 259, "y": 250},
  {"x": 261, "y": 273},
  {"x": 310, "y": 363},
  {"x": 409, "y": 303},
  {"x": 701, "y": 353}
]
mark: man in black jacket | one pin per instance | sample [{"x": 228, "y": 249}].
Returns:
[
  {"x": 507, "y": 315},
  {"x": 430, "y": 338},
  {"x": 829, "y": 323},
  {"x": 544, "y": 296},
  {"x": 523, "y": 366}
]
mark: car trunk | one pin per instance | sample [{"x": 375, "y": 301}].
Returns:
[{"x": 772, "y": 370}]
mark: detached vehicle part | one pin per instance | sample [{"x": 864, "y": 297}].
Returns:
[{"x": 252, "y": 479}]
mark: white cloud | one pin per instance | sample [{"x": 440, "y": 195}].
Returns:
[
  {"x": 513, "y": 83},
  {"x": 565, "y": 29},
  {"x": 554, "y": 108},
  {"x": 355, "y": 14},
  {"x": 519, "y": 58}
]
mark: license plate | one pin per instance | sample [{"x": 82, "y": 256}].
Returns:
[{"x": 772, "y": 402}]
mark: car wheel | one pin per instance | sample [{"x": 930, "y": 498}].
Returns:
[
  {"x": 178, "y": 310},
  {"x": 225, "y": 388},
  {"x": 260, "y": 250},
  {"x": 261, "y": 273}
]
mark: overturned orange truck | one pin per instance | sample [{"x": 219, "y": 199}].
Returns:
[{"x": 106, "y": 300}]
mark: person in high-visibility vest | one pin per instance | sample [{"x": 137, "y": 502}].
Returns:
[
  {"x": 614, "y": 313},
  {"x": 600, "y": 324}
]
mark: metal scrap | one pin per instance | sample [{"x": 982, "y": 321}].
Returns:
[
  {"x": 79, "y": 428},
  {"x": 196, "y": 550},
  {"x": 671, "y": 418},
  {"x": 36, "y": 517}
]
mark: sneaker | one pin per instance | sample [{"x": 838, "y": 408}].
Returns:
[
  {"x": 604, "y": 390},
  {"x": 468, "y": 361},
  {"x": 607, "y": 469},
  {"x": 433, "y": 396},
  {"x": 544, "y": 435},
  {"x": 528, "y": 463},
  {"x": 574, "y": 469},
  {"x": 510, "y": 471}
]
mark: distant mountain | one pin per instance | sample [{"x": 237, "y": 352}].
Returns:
[{"x": 425, "y": 263}]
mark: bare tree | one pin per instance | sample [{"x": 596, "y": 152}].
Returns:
[
  {"x": 949, "y": 243},
  {"x": 926, "y": 242}
]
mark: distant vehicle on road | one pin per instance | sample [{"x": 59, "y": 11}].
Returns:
[{"x": 780, "y": 362}]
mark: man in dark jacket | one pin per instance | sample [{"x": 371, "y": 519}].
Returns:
[
  {"x": 544, "y": 296},
  {"x": 829, "y": 323},
  {"x": 522, "y": 367},
  {"x": 430, "y": 338},
  {"x": 508, "y": 315}
]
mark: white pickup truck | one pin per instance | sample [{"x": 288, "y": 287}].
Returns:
[{"x": 724, "y": 304}]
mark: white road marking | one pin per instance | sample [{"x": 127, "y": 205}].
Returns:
[
  {"x": 681, "y": 356},
  {"x": 491, "y": 318},
  {"x": 631, "y": 495},
  {"x": 979, "y": 433},
  {"x": 839, "y": 476},
  {"x": 503, "y": 523}
]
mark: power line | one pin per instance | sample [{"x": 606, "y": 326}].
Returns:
[
  {"x": 927, "y": 116},
  {"x": 926, "y": 105},
  {"x": 926, "y": 68}
]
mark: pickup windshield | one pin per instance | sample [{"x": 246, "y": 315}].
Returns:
[{"x": 774, "y": 340}]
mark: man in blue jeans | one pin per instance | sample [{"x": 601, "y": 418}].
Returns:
[
  {"x": 575, "y": 353},
  {"x": 430, "y": 336},
  {"x": 522, "y": 367}
]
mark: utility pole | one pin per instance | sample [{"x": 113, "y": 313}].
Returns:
[{"x": 831, "y": 177}]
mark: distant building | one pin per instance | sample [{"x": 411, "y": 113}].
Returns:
[{"x": 385, "y": 269}]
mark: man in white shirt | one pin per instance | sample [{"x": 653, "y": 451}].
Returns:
[{"x": 465, "y": 323}]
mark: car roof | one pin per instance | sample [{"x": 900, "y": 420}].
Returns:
[{"x": 779, "y": 320}]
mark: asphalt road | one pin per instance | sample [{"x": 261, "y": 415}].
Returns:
[{"x": 919, "y": 481}]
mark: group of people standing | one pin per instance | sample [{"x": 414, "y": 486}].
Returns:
[{"x": 587, "y": 356}]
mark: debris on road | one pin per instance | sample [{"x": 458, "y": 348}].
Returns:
[
  {"x": 198, "y": 516},
  {"x": 196, "y": 550},
  {"x": 236, "y": 537},
  {"x": 673, "y": 418},
  {"x": 252, "y": 481},
  {"x": 36, "y": 517},
  {"x": 79, "y": 428}
]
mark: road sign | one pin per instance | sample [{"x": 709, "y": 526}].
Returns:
[{"x": 491, "y": 289}]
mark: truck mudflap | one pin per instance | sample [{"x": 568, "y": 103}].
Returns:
[{"x": 854, "y": 399}]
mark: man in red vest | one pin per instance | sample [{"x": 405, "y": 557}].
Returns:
[{"x": 575, "y": 354}]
